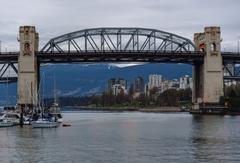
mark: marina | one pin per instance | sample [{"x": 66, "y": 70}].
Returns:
[{"x": 48, "y": 117}]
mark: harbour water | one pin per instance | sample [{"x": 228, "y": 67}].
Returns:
[{"x": 131, "y": 137}]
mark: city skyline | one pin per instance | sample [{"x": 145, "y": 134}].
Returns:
[{"x": 140, "y": 86}]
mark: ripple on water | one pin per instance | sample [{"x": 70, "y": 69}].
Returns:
[{"x": 126, "y": 137}]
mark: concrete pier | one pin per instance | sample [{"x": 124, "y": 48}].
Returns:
[
  {"x": 28, "y": 69},
  {"x": 208, "y": 76}
]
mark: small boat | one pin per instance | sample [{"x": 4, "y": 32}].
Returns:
[
  {"x": 44, "y": 123},
  {"x": 66, "y": 125},
  {"x": 10, "y": 117},
  {"x": 6, "y": 123},
  {"x": 14, "y": 117}
]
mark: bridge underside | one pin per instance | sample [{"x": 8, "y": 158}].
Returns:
[
  {"x": 11, "y": 59},
  {"x": 126, "y": 56}
]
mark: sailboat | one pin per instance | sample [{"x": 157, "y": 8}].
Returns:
[
  {"x": 54, "y": 109},
  {"x": 6, "y": 123},
  {"x": 44, "y": 119},
  {"x": 8, "y": 117},
  {"x": 6, "y": 120},
  {"x": 55, "y": 112},
  {"x": 44, "y": 123}
]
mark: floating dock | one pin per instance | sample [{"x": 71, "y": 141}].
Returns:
[{"x": 214, "y": 110}]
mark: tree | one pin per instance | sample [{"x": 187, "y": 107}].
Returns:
[{"x": 169, "y": 97}]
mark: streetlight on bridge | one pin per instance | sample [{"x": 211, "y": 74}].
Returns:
[
  {"x": 238, "y": 43},
  {"x": 2, "y": 47}
]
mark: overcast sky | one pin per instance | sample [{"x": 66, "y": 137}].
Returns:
[{"x": 57, "y": 17}]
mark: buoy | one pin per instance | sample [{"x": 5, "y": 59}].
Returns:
[{"x": 66, "y": 125}]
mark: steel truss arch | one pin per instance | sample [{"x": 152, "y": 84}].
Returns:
[{"x": 118, "y": 40}]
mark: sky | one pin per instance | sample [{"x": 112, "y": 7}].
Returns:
[{"x": 56, "y": 17}]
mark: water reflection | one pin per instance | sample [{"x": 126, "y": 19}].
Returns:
[
  {"x": 210, "y": 139},
  {"x": 126, "y": 137}
]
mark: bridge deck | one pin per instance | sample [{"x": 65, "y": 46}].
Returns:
[
  {"x": 126, "y": 56},
  {"x": 120, "y": 56}
]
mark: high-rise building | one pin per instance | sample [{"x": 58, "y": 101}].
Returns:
[
  {"x": 122, "y": 82},
  {"x": 118, "y": 88},
  {"x": 154, "y": 81},
  {"x": 139, "y": 85},
  {"x": 117, "y": 85},
  {"x": 186, "y": 82},
  {"x": 146, "y": 90},
  {"x": 111, "y": 82},
  {"x": 169, "y": 84}
]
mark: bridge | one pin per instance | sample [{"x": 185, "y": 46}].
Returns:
[{"x": 122, "y": 45}]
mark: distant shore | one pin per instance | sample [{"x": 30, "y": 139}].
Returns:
[{"x": 121, "y": 109}]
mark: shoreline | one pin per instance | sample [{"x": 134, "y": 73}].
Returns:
[
  {"x": 147, "y": 110},
  {"x": 122, "y": 109}
]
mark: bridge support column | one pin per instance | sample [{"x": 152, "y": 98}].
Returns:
[
  {"x": 28, "y": 69},
  {"x": 208, "y": 77}
]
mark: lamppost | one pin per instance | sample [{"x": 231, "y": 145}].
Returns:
[
  {"x": 1, "y": 47},
  {"x": 238, "y": 43}
]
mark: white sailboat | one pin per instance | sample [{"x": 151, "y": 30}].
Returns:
[
  {"x": 6, "y": 123},
  {"x": 12, "y": 117},
  {"x": 43, "y": 121},
  {"x": 56, "y": 112},
  {"x": 54, "y": 109}
]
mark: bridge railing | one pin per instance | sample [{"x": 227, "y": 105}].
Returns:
[{"x": 154, "y": 52}]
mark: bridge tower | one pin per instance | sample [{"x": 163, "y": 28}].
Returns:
[
  {"x": 28, "y": 68},
  {"x": 208, "y": 76}
]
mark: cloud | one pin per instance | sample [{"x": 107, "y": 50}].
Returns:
[
  {"x": 122, "y": 65},
  {"x": 71, "y": 93},
  {"x": 56, "y": 17},
  {"x": 93, "y": 91}
]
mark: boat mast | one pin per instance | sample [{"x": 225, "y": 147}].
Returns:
[
  {"x": 7, "y": 89},
  {"x": 42, "y": 99},
  {"x": 54, "y": 90}
]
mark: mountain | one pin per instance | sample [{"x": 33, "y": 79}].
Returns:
[{"x": 88, "y": 79}]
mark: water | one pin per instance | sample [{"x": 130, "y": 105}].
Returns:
[{"x": 125, "y": 137}]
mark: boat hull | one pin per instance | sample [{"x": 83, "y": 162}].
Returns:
[
  {"x": 45, "y": 124},
  {"x": 6, "y": 124}
]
